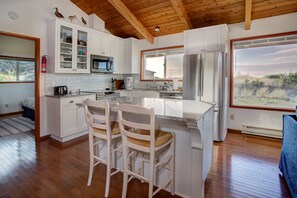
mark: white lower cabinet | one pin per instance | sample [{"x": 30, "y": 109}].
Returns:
[{"x": 66, "y": 117}]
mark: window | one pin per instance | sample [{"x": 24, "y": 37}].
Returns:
[
  {"x": 162, "y": 64},
  {"x": 264, "y": 73},
  {"x": 17, "y": 69}
]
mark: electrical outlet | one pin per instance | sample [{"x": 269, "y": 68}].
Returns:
[
  {"x": 231, "y": 116},
  {"x": 6, "y": 105}
]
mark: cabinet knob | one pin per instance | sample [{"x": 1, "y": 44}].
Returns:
[{"x": 71, "y": 101}]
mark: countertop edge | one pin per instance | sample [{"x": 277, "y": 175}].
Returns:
[{"x": 69, "y": 96}]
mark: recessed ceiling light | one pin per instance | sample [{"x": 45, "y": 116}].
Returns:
[
  {"x": 157, "y": 29},
  {"x": 13, "y": 15}
]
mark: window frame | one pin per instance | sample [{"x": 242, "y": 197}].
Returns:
[
  {"x": 231, "y": 105},
  {"x": 18, "y": 59},
  {"x": 142, "y": 63}
]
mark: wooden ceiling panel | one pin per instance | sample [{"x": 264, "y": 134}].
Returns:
[{"x": 162, "y": 13}]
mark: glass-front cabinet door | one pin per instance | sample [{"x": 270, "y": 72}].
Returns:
[
  {"x": 82, "y": 51},
  {"x": 65, "y": 48}
]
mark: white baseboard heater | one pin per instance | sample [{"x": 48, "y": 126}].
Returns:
[{"x": 261, "y": 131}]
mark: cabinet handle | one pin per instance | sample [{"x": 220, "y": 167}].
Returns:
[{"x": 71, "y": 101}]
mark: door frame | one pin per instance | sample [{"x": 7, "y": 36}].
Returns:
[{"x": 37, "y": 78}]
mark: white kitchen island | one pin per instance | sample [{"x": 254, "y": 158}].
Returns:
[{"x": 192, "y": 123}]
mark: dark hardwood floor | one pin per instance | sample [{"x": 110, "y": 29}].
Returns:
[{"x": 243, "y": 166}]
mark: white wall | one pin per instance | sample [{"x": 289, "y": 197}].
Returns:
[
  {"x": 272, "y": 25},
  {"x": 12, "y": 94},
  {"x": 33, "y": 18},
  {"x": 12, "y": 46}
]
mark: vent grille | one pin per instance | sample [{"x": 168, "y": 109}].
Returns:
[{"x": 261, "y": 131}]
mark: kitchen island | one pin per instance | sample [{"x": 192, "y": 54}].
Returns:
[{"x": 192, "y": 123}]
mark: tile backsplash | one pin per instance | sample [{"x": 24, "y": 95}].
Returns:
[{"x": 79, "y": 81}]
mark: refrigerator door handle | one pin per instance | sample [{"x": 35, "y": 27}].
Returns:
[
  {"x": 202, "y": 76},
  {"x": 198, "y": 76}
]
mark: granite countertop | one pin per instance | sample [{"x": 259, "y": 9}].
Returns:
[
  {"x": 168, "y": 108},
  {"x": 76, "y": 94}
]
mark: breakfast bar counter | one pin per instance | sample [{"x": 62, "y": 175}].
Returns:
[{"x": 192, "y": 123}]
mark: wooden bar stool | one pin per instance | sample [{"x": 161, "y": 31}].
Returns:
[
  {"x": 100, "y": 127},
  {"x": 142, "y": 138}
]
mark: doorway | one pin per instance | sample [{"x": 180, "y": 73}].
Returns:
[{"x": 35, "y": 114}]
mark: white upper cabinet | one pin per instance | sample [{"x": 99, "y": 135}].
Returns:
[
  {"x": 118, "y": 55},
  {"x": 101, "y": 43},
  {"x": 68, "y": 48},
  {"x": 210, "y": 39},
  {"x": 132, "y": 56}
]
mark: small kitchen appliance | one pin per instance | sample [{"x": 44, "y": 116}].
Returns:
[
  {"x": 101, "y": 64},
  {"x": 60, "y": 90},
  {"x": 129, "y": 83}
]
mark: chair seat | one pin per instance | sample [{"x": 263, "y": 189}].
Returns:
[
  {"x": 161, "y": 138},
  {"x": 114, "y": 129}
]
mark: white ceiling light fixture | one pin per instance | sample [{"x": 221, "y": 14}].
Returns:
[
  {"x": 13, "y": 15},
  {"x": 157, "y": 29}
]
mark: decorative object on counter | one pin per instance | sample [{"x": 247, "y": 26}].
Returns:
[
  {"x": 71, "y": 18},
  {"x": 175, "y": 84},
  {"x": 129, "y": 83},
  {"x": 117, "y": 84},
  {"x": 167, "y": 86},
  {"x": 58, "y": 14},
  {"x": 84, "y": 21}
]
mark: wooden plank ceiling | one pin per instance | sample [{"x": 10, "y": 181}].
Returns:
[{"x": 173, "y": 16}]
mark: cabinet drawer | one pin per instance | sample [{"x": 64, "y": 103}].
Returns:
[
  {"x": 74, "y": 100},
  {"x": 69, "y": 101}
]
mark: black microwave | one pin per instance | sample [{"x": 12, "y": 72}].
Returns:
[{"x": 101, "y": 64}]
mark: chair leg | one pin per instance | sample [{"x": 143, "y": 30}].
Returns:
[
  {"x": 152, "y": 172},
  {"x": 108, "y": 168},
  {"x": 91, "y": 168},
  {"x": 132, "y": 161},
  {"x": 172, "y": 168},
  {"x": 125, "y": 173},
  {"x": 141, "y": 165}
]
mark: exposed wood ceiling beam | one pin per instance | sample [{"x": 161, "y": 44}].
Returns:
[
  {"x": 131, "y": 18},
  {"x": 248, "y": 14},
  {"x": 182, "y": 13}
]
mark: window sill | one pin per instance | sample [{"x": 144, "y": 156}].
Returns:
[
  {"x": 17, "y": 82},
  {"x": 262, "y": 108}
]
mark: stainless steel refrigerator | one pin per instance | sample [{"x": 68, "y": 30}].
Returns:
[{"x": 205, "y": 78}]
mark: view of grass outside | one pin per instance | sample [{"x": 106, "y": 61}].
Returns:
[
  {"x": 15, "y": 70},
  {"x": 265, "y": 76}
]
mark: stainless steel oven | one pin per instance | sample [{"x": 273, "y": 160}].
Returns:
[{"x": 101, "y": 64}]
